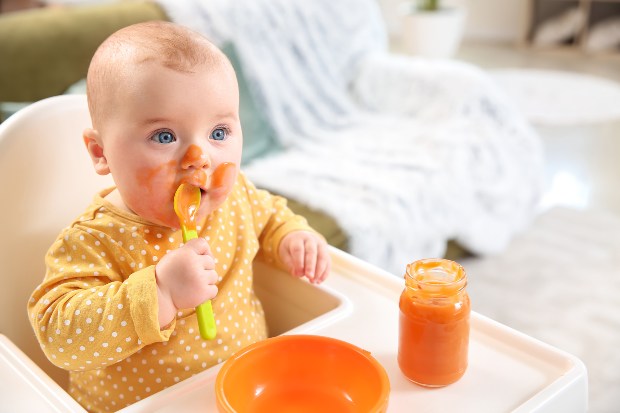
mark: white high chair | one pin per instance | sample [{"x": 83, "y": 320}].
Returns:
[{"x": 48, "y": 181}]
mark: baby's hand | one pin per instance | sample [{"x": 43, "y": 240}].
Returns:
[
  {"x": 186, "y": 278},
  {"x": 305, "y": 254}
]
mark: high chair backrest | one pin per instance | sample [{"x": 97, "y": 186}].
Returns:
[{"x": 47, "y": 180}]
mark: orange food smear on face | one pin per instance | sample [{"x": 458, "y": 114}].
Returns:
[
  {"x": 146, "y": 176},
  {"x": 434, "y": 332},
  {"x": 193, "y": 156},
  {"x": 187, "y": 197},
  {"x": 161, "y": 178},
  {"x": 154, "y": 182},
  {"x": 222, "y": 174}
]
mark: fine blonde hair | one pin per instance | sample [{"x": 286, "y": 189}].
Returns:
[{"x": 168, "y": 44}]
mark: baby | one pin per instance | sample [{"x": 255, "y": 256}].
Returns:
[{"x": 116, "y": 307}]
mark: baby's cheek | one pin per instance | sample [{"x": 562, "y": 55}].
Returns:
[
  {"x": 154, "y": 200},
  {"x": 217, "y": 198},
  {"x": 160, "y": 213}
]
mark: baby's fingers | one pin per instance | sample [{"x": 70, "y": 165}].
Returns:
[
  {"x": 323, "y": 265},
  {"x": 309, "y": 264},
  {"x": 210, "y": 292},
  {"x": 207, "y": 262},
  {"x": 199, "y": 246},
  {"x": 209, "y": 285},
  {"x": 294, "y": 256}
]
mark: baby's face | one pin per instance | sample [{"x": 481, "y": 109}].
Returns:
[{"x": 167, "y": 127}]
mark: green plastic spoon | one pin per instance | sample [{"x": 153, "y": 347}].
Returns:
[{"x": 186, "y": 203}]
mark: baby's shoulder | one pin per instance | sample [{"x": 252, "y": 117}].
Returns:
[
  {"x": 94, "y": 224},
  {"x": 245, "y": 188},
  {"x": 241, "y": 189}
]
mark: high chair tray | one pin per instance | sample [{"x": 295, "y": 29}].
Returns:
[{"x": 508, "y": 371}]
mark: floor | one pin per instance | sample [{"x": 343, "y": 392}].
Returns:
[
  {"x": 582, "y": 159},
  {"x": 559, "y": 280}
]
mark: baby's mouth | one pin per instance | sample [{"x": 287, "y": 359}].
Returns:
[{"x": 198, "y": 179}]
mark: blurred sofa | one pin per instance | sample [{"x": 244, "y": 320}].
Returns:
[{"x": 46, "y": 52}]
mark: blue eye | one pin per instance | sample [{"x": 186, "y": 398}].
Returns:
[
  {"x": 218, "y": 134},
  {"x": 164, "y": 137}
]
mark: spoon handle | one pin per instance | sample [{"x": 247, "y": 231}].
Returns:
[{"x": 206, "y": 320}]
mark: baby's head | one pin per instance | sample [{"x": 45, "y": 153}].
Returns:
[{"x": 164, "y": 104}]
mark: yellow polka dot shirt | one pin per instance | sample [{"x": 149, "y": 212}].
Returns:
[{"x": 95, "y": 314}]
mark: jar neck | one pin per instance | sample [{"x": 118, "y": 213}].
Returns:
[{"x": 435, "y": 277}]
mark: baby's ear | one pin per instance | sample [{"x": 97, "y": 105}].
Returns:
[{"x": 92, "y": 140}]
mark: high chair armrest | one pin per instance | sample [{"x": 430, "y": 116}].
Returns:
[{"x": 26, "y": 388}]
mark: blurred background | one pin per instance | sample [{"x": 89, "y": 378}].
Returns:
[{"x": 558, "y": 61}]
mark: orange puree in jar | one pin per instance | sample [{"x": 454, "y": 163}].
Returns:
[{"x": 434, "y": 323}]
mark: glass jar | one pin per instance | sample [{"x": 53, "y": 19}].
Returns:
[{"x": 434, "y": 323}]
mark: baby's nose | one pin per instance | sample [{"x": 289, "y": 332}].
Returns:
[{"x": 194, "y": 157}]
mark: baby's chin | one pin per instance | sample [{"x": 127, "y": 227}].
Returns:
[
  {"x": 170, "y": 222},
  {"x": 164, "y": 219},
  {"x": 169, "y": 218}
]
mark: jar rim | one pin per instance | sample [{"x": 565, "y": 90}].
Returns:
[{"x": 435, "y": 275}]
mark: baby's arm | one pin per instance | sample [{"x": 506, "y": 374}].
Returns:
[
  {"x": 84, "y": 314},
  {"x": 305, "y": 254},
  {"x": 286, "y": 239},
  {"x": 87, "y": 315},
  {"x": 186, "y": 278}
]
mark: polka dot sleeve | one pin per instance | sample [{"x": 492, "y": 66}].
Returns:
[
  {"x": 85, "y": 313},
  {"x": 141, "y": 288},
  {"x": 273, "y": 220}
]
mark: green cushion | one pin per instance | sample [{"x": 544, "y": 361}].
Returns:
[
  {"x": 44, "y": 51},
  {"x": 258, "y": 135},
  {"x": 9, "y": 108}
]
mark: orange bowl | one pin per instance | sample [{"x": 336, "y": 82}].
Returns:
[{"x": 302, "y": 373}]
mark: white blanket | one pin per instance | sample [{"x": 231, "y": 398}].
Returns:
[{"x": 405, "y": 153}]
